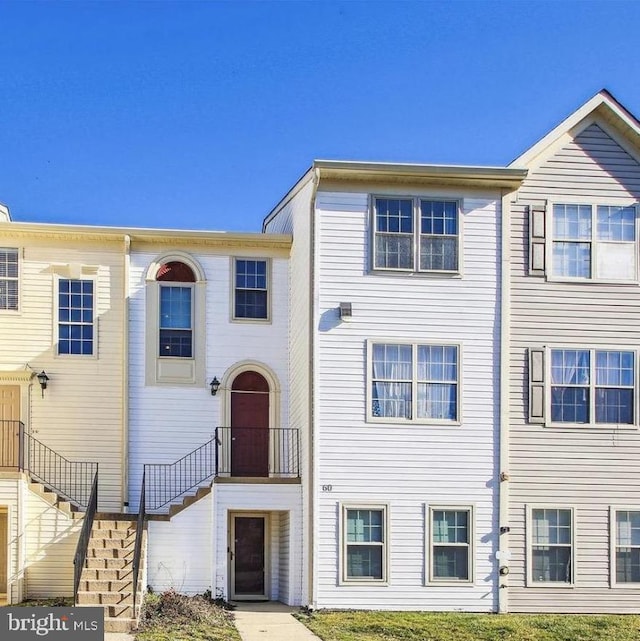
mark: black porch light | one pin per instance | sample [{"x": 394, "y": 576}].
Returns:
[
  {"x": 43, "y": 380},
  {"x": 215, "y": 386}
]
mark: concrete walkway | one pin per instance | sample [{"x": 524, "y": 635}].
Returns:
[
  {"x": 269, "y": 621},
  {"x": 118, "y": 636}
]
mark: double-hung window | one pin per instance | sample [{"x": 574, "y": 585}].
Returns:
[
  {"x": 627, "y": 546},
  {"x": 176, "y": 321},
  {"x": 251, "y": 296},
  {"x": 364, "y": 534},
  {"x": 8, "y": 279},
  {"x": 414, "y": 382},
  {"x": 593, "y": 386},
  {"x": 176, "y": 310},
  {"x": 551, "y": 541},
  {"x": 450, "y": 546},
  {"x": 76, "y": 316},
  {"x": 416, "y": 235},
  {"x": 594, "y": 242}
]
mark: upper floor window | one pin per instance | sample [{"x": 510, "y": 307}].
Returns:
[
  {"x": 416, "y": 234},
  {"x": 594, "y": 242},
  {"x": 414, "y": 382},
  {"x": 176, "y": 310},
  {"x": 8, "y": 278},
  {"x": 75, "y": 316},
  {"x": 251, "y": 294},
  {"x": 592, "y": 386}
]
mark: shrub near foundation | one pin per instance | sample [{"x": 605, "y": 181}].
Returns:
[{"x": 175, "y": 617}]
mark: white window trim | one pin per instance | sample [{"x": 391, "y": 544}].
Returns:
[
  {"x": 342, "y": 534},
  {"x": 592, "y": 425},
  {"x": 370, "y": 418},
  {"x": 594, "y": 202},
  {"x": 175, "y": 370},
  {"x": 613, "y": 582},
  {"x": 232, "y": 289},
  {"x": 415, "y": 271},
  {"x": 191, "y": 287},
  {"x": 471, "y": 546},
  {"x": 18, "y": 310},
  {"x": 529, "y": 547},
  {"x": 56, "y": 324}
]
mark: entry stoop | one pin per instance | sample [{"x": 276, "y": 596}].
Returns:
[{"x": 107, "y": 576}]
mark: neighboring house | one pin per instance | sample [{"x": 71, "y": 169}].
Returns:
[
  {"x": 573, "y": 441},
  {"x": 62, "y": 313},
  {"x": 395, "y": 375}
]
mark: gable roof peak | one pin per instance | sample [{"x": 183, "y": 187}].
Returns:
[{"x": 603, "y": 104}]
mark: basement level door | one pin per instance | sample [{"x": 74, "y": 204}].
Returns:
[
  {"x": 9, "y": 426},
  {"x": 248, "y": 556}
]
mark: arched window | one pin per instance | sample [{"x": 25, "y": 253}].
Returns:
[
  {"x": 176, "y": 310},
  {"x": 175, "y": 316}
]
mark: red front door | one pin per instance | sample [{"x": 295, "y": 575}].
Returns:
[{"x": 250, "y": 425}]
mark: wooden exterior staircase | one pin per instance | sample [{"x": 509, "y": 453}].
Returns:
[{"x": 107, "y": 577}]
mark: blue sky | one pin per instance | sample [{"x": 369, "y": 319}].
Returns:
[{"x": 201, "y": 115}]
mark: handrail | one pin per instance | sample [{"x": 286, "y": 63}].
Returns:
[
  {"x": 71, "y": 480},
  {"x": 167, "y": 481},
  {"x": 137, "y": 553},
  {"x": 85, "y": 534},
  {"x": 255, "y": 451}
]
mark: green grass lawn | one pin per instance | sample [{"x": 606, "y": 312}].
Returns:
[
  {"x": 174, "y": 617},
  {"x": 424, "y": 626}
]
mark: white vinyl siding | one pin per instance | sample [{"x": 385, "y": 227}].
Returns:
[
  {"x": 399, "y": 463},
  {"x": 159, "y": 414}
]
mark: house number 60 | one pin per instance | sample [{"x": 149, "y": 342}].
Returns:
[{"x": 327, "y": 488}]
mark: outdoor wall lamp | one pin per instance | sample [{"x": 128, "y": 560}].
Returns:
[
  {"x": 215, "y": 386},
  {"x": 43, "y": 379}
]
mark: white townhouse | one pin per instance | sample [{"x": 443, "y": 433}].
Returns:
[
  {"x": 394, "y": 370},
  {"x": 209, "y": 427}
]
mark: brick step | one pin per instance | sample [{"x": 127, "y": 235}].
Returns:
[
  {"x": 113, "y": 524},
  {"x": 119, "y": 611},
  {"x": 99, "y": 543},
  {"x": 119, "y": 599},
  {"x": 97, "y": 585},
  {"x": 105, "y": 563},
  {"x": 109, "y": 553},
  {"x": 110, "y": 574},
  {"x": 124, "y": 624},
  {"x": 110, "y": 533}
]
